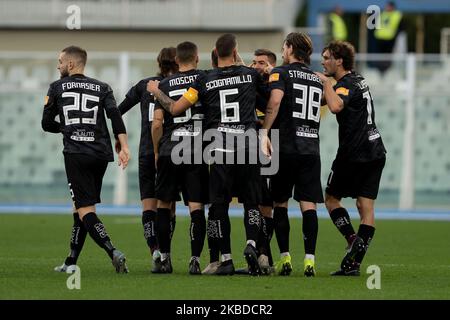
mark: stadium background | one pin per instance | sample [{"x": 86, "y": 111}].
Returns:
[{"x": 412, "y": 100}]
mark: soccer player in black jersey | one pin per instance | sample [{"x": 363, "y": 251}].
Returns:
[
  {"x": 147, "y": 172},
  {"x": 81, "y": 103},
  {"x": 264, "y": 61},
  {"x": 361, "y": 156},
  {"x": 228, "y": 94},
  {"x": 296, "y": 93},
  {"x": 191, "y": 178}
]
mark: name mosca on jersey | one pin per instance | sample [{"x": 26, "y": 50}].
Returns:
[{"x": 182, "y": 80}]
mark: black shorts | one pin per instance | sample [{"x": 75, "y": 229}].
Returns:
[
  {"x": 190, "y": 179},
  {"x": 147, "y": 176},
  {"x": 235, "y": 180},
  {"x": 85, "y": 176},
  {"x": 355, "y": 179},
  {"x": 301, "y": 172}
]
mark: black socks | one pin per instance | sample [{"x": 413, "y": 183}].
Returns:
[
  {"x": 212, "y": 232},
  {"x": 365, "y": 232},
  {"x": 165, "y": 228},
  {"x": 98, "y": 232},
  {"x": 77, "y": 239},
  {"x": 282, "y": 228},
  {"x": 341, "y": 220},
  {"x": 252, "y": 221},
  {"x": 197, "y": 232},
  {"x": 310, "y": 228},
  {"x": 149, "y": 224}
]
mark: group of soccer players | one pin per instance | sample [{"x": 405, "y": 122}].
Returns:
[{"x": 183, "y": 107}]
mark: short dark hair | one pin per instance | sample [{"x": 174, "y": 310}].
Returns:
[
  {"x": 225, "y": 45},
  {"x": 166, "y": 61},
  {"x": 342, "y": 50},
  {"x": 187, "y": 52},
  {"x": 301, "y": 44},
  {"x": 214, "y": 59},
  {"x": 272, "y": 57},
  {"x": 77, "y": 52}
]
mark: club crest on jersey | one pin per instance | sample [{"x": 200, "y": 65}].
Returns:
[
  {"x": 343, "y": 91},
  {"x": 274, "y": 77}
]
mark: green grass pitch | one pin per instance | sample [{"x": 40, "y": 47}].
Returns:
[{"x": 413, "y": 256}]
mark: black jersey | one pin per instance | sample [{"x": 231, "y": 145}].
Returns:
[
  {"x": 187, "y": 124},
  {"x": 359, "y": 138},
  {"x": 81, "y": 103},
  {"x": 139, "y": 94},
  {"x": 299, "y": 115},
  {"x": 229, "y": 96}
]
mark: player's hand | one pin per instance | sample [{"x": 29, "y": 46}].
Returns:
[
  {"x": 322, "y": 77},
  {"x": 117, "y": 146},
  {"x": 239, "y": 61},
  {"x": 124, "y": 157},
  {"x": 266, "y": 145},
  {"x": 152, "y": 86},
  {"x": 268, "y": 69}
]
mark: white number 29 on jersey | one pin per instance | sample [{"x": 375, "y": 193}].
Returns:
[{"x": 80, "y": 104}]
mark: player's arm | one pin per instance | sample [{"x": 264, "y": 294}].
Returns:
[
  {"x": 173, "y": 107},
  {"x": 276, "y": 95},
  {"x": 48, "y": 122},
  {"x": 239, "y": 60},
  {"x": 277, "y": 86},
  {"x": 132, "y": 98},
  {"x": 119, "y": 129},
  {"x": 157, "y": 129},
  {"x": 335, "y": 103}
]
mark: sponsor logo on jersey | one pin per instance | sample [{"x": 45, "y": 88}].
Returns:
[
  {"x": 274, "y": 77},
  {"x": 343, "y": 91}
]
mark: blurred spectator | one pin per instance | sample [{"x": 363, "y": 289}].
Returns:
[
  {"x": 386, "y": 35},
  {"x": 336, "y": 28}
]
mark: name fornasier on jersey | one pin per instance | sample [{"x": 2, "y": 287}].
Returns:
[{"x": 80, "y": 85}]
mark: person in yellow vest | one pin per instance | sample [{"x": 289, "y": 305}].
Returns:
[
  {"x": 385, "y": 36},
  {"x": 337, "y": 30}
]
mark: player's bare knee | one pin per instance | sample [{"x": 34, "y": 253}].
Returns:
[
  {"x": 195, "y": 206},
  {"x": 266, "y": 211},
  {"x": 164, "y": 204},
  {"x": 331, "y": 202}
]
